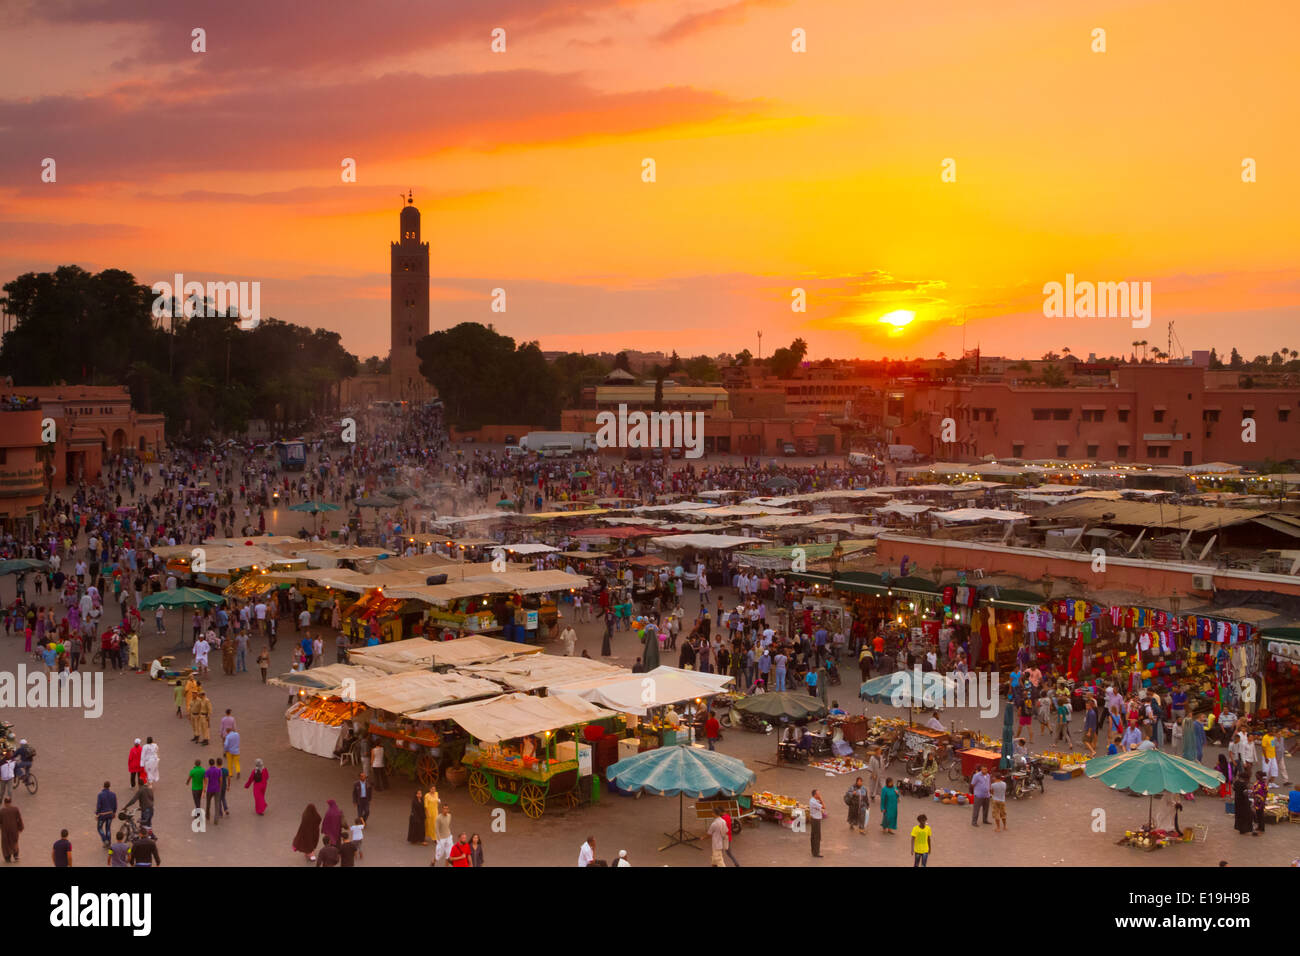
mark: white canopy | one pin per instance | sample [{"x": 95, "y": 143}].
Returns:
[
  {"x": 413, "y": 691},
  {"x": 418, "y": 653},
  {"x": 637, "y": 693},
  {"x": 540, "y": 671},
  {"x": 528, "y": 547},
  {"x": 706, "y": 541},
  {"x": 903, "y": 509},
  {"x": 980, "y": 514},
  {"x": 516, "y": 715}
]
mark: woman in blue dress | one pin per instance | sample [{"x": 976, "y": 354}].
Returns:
[{"x": 889, "y": 807}]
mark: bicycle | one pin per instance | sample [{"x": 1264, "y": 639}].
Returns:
[{"x": 29, "y": 780}]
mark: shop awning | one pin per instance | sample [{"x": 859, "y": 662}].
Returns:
[
  {"x": 858, "y": 582},
  {"x": 1013, "y": 599},
  {"x": 517, "y": 715}
]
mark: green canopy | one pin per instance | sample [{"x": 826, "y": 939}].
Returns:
[
  {"x": 792, "y": 705},
  {"x": 1149, "y": 772},
  {"x": 19, "y": 565},
  {"x": 182, "y": 597},
  {"x": 505, "y": 503},
  {"x": 401, "y": 491},
  {"x": 682, "y": 771},
  {"x": 377, "y": 501},
  {"x": 314, "y": 507}
]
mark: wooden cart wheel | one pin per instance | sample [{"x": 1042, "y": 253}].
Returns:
[
  {"x": 426, "y": 770},
  {"x": 478, "y": 787},
  {"x": 533, "y": 800}
]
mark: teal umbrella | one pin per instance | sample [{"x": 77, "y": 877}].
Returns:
[
  {"x": 1008, "y": 735},
  {"x": 20, "y": 565},
  {"x": 909, "y": 689},
  {"x": 182, "y": 598},
  {"x": 505, "y": 503},
  {"x": 377, "y": 501},
  {"x": 401, "y": 491},
  {"x": 1148, "y": 772},
  {"x": 314, "y": 507},
  {"x": 681, "y": 771}
]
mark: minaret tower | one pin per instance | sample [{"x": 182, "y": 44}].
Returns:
[{"x": 409, "y": 306}]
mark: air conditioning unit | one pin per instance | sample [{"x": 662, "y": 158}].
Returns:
[{"x": 1202, "y": 582}]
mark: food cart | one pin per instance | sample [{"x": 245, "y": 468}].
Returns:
[
  {"x": 514, "y": 755},
  {"x": 779, "y": 808}
]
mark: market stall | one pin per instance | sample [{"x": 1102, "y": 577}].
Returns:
[
  {"x": 514, "y": 755},
  {"x": 316, "y": 724}
]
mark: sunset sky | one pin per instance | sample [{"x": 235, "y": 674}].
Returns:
[{"x": 775, "y": 169}]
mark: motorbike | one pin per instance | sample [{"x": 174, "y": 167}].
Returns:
[
  {"x": 1025, "y": 777},
  {"x": 748, "y": 722}
]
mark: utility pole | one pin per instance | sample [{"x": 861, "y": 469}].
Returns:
[{"x": 760, "y": 345}]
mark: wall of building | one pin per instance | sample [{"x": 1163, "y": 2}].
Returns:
[
  {"x": 22, "y": 473},
  {"x": 1070, "y": 572},
  {"x": 1154, "y": 414}
]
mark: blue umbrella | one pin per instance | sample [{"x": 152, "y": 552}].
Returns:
[
  {"x": 682, "y": 771},
  {"x": 909, "y": 689}
]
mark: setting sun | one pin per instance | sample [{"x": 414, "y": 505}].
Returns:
[{"x": 899, "y": 319}]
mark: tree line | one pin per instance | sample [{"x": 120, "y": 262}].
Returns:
[{"x": 204, "y": 373}]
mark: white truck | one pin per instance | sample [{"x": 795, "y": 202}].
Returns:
[{"x": 558, "y": 444}]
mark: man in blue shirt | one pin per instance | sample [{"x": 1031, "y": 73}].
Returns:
[
  {"x": 1132, "y": 737},
  {"x": 306, "y": 652},
  {"x": 223, "y": 622},
  {"x": 105, "y": 810},
  {"x": 980, "y": 789}
]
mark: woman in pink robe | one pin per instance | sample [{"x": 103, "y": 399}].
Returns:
[{"x": 258, "y": 780}]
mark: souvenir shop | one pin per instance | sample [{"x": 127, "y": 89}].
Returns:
[
  {"x": 1140, "y": 647},
  {"x": 1281, "y": 698}
]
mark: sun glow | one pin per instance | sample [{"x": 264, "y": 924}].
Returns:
[{"x": 899, "y": 319}]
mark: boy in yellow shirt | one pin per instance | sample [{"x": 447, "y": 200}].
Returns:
[{"x": 921, "y": 842}]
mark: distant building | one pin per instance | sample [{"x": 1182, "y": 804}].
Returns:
[
  {"x": 91, "y": 425},
  {"x": 1155, "y": 414}
]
